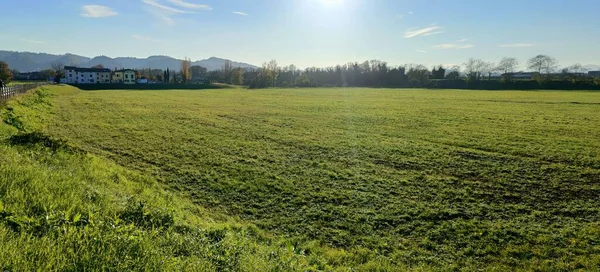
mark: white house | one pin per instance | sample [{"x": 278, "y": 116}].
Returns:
[{"x": 76, "y": 75}]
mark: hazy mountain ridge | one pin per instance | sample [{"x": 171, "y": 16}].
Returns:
[{"x": 28, "y": 61}]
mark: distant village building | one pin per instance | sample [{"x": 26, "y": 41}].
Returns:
[
  {"x": 594, "y": 73},
  {"x": 126, "y": 76},
  {"x": 76, "y": 75},
  {"x": 30, "y": 76},
  {"x": 519, "y": 75}
]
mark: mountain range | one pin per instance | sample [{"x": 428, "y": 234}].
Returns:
[
  {"x": 27, "y": 61},
  {"x": 592, "y": 67}
]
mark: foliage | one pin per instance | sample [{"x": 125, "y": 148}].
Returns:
[
  {"x": 387, "y": 179},
  {"x": 5, "y": 72},
  {"x": 185, "y": 72}
]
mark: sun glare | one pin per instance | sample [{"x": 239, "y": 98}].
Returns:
[{"x": 332, "y": 2}]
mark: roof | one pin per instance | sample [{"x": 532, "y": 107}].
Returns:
[
  {"x": 125, "y": 70},
  {"x": 97, "y": 70}
]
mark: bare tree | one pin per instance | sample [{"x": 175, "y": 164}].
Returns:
[
  {"x": 453, "y": 73},
  {"x": 59, "y": 70},
  {"x": 489, "y": 68},
  {"x": 508, "y": 65},
  {"x": 186, "y": 74},
  {"x": 542, "y": 63},
  {"x": 58, "y": 67},
  {"x": 577, "y": 68},
  {"x": 476, "y": 67}
]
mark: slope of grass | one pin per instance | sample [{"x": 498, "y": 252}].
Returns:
[
  {"x": 362, "y": 178},
  {"x": 444, "y": 178},
  {"x": 64, "y": 210}
]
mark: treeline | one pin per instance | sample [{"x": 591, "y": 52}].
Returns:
[{"x": 473, "y": 74}]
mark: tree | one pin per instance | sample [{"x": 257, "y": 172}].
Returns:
[
  {"x": 47, "y": 73},
  {"x": 489, "y": 68},
  {"x": 542, "y": 63},
  {"x": 237, "y": 76},
  {"x": 577, "y": 69},
  {"x": 454, "y": 73},
  {"x": 5, "y": 73},
  {"x": 417, "y": 74},
  {"x": 438, "y": 73},
  {"x": 185, "y": 72},
  {"x": 474, "y": 68},
  {"x": 98, "y": 66},
  {"x": 58, "y": 66},
  {"x": 271, "y": 71},
  {"x": 574, "y": 71},
  {"x": 226, "y": 71},
  {"x": 59, "y": 70},
  {"x": 508, "y": 65},
  {"x": 198, "y": 71}
]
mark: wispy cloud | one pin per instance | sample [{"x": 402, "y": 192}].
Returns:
[
  {"x": 401, "y": 16},
  {"x": 432, "y": 30},
  {"x": 145, "y": 38},
  {"x": 462, "y": 40},
  {"x": 96, "y": 11},
  {"x": 32, "y": 41},
  {"x": 165, "y": 13},
  {"x": 184, "y": 4},
  {"x": 163, "y": 7},
  {"x": 452, "y": 46},
  {"x": 421, "y": 51},
  {"x": 240, "y": 13},
  {"x": 516, "y": 45}
]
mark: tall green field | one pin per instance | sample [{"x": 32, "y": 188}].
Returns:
[{"x": 370, "y": 179}]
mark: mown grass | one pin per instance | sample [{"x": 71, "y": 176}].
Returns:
[
  {"x": 64, "y": 210},
  {"x": 363, "y": 178}
]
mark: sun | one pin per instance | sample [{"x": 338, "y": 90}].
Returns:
[{"x": 332, "y": 2}]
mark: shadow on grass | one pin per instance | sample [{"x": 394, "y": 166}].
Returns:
[{"x": 38, "y": 138}]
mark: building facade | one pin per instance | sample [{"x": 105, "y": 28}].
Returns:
[
  {"x": 76, "y": 75},
  {"x": 128, "y": 76}
]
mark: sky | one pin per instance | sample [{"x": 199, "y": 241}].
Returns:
[{"x": 308, "y": 33}]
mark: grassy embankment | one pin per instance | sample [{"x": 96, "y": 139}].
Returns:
[
  {"x": 353, "y": 177},
  {"x": 63, "y": 209}
]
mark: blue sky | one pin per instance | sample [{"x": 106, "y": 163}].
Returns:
[{"x": 308, "y": 32}]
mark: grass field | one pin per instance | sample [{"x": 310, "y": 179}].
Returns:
[{"x": 334, "y": 178}]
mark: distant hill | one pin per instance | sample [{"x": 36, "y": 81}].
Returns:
[{"x": 27, "y": 61}]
